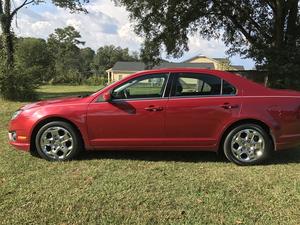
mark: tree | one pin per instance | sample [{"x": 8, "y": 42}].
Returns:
[
  {"x": 266, "y": 30},
  {"x": 8, "y": 85},
  {"x": 7, "y": 14},
  {"x": 87, "y": 58},
  {"x": 63, "y": 46},
  {"x": 33, "y": 58},
  {"x": 108, "y": 55}
]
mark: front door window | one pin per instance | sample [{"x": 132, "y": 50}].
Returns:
[{"x": 149, "y": 86}]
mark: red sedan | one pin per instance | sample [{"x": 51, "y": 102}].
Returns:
[{"x": 166, "y": 109}]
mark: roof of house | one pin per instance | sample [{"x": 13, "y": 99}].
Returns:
[{"x": 138, "y": 66}]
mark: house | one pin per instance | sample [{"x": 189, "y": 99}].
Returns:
[
  {"x": 219, "y": 63},
  {"x": 124, "y": 69}
]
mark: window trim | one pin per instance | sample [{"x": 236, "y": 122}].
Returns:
[
  {"x": 222, "y": 82},
  {"x": 164, "y": 94}
]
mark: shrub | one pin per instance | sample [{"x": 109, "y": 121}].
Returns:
[
  {"x": 17, "y": 85},
  {"x": 71, "y": 76},
  {"x": 96, "y": 80}
]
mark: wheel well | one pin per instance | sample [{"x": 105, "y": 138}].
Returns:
[
  {"x": 48, "y": 120},
  {"x": 245, "y": 121}
]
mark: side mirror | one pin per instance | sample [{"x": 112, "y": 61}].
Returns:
[{"x": 106, "y": 96}]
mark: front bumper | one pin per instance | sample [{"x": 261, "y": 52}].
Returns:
[
  {"x": 21, "y": 146},
  {"x": 19, "y": 133},
  {"x": 18, "y": 140}
]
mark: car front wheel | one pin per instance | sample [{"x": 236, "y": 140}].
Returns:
[
  {"x": 57, "y": 141},
  {"x": 247, "y": 144}
]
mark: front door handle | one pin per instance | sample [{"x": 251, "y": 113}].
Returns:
[
  {"x": 229, "y": 106},
  {"x": 152, "y": 108}
]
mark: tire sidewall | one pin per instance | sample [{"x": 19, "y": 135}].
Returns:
[
  {"x": 227, "y": 144},
  {"x": 68, "y": 127}
]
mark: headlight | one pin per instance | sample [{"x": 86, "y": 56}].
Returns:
[{"x": 16, "y": 114}]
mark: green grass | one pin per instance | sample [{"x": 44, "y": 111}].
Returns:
[
  {"x": 143, "y": 187},
  {"x": 49, "y": 91}
]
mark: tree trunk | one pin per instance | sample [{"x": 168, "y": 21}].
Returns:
[
  {"x": 279, "y": 15},
  {"x": 291, "y": 35},
  {"x": 5, "y": 21},
  {"x": 8, "y": 82},
  {"x": 8, "y": 43}
]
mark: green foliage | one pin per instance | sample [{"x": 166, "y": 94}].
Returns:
[
  {"x": 17, "y": 84},
  {"x": 96, "y": 80},
  {"x": 87, "y": 58},
  {"x": 70, "y": 76},
  {"x": 76, "y": 66},
  {"x": 32, "y": 67},
  {"x": 107, "y": 56},
  {"x": 72, "y": 5},
  {"x": 57, "y": 61},
  {"x": 284, "y": 68},
  {"x": 8, "y": 67},
  {"x": 67, "y": 59},
  {"x": 266, "y": 31},
  {"x": 32, "y": 56},
  {"x": 67, "y": 36}
]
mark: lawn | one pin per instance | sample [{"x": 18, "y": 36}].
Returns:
[
  {"x": 143, "y": 187},
  {"x": 49, "y": 91}
]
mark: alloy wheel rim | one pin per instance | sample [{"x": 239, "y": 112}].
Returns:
[
  {"x": 56, "y": 142},
  {"x": 248, "y": 145}
]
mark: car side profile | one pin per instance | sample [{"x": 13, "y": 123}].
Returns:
[{"x": 165, "y": 109}]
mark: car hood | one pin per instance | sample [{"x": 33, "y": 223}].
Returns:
[{"x": 54, "y": 102}]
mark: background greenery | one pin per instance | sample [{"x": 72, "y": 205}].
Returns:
[
  {"x": 143, "y": 187},
  {"x": 61, "y": 59},
  {"x": 267, "y": 31}
]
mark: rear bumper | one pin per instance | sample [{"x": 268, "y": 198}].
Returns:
[{"x": 288, "y": 142}]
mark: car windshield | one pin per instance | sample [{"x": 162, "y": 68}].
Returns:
[{"x": 101, "y": 89}]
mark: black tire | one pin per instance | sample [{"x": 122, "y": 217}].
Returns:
[
  {"x": 259, "y": 156},
  {"x": 68, "y": 129}
]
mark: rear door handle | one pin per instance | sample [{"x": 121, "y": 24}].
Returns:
[
  {"x": 229, "y": 106},
  {"x": 153, "y": 109}
]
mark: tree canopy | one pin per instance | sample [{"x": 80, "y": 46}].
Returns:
[
  {"x": 32, "y": 56},
  {"x": 61, "y": 59},
  {"x": 108, "y": 55},
  {"x": 267, "y": 31},
  {"x": 7, "y": 14},
  {"x": 8, "y": 11}
]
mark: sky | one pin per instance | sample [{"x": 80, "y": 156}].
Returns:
[{"x": 105, "y": 24}]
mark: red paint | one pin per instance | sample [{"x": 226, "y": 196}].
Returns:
[{"x": 169, "y": 123}]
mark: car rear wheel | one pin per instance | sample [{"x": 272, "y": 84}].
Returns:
[
  {"x": 57, "y": 141},
  {"x": 247, "y": 144}
]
